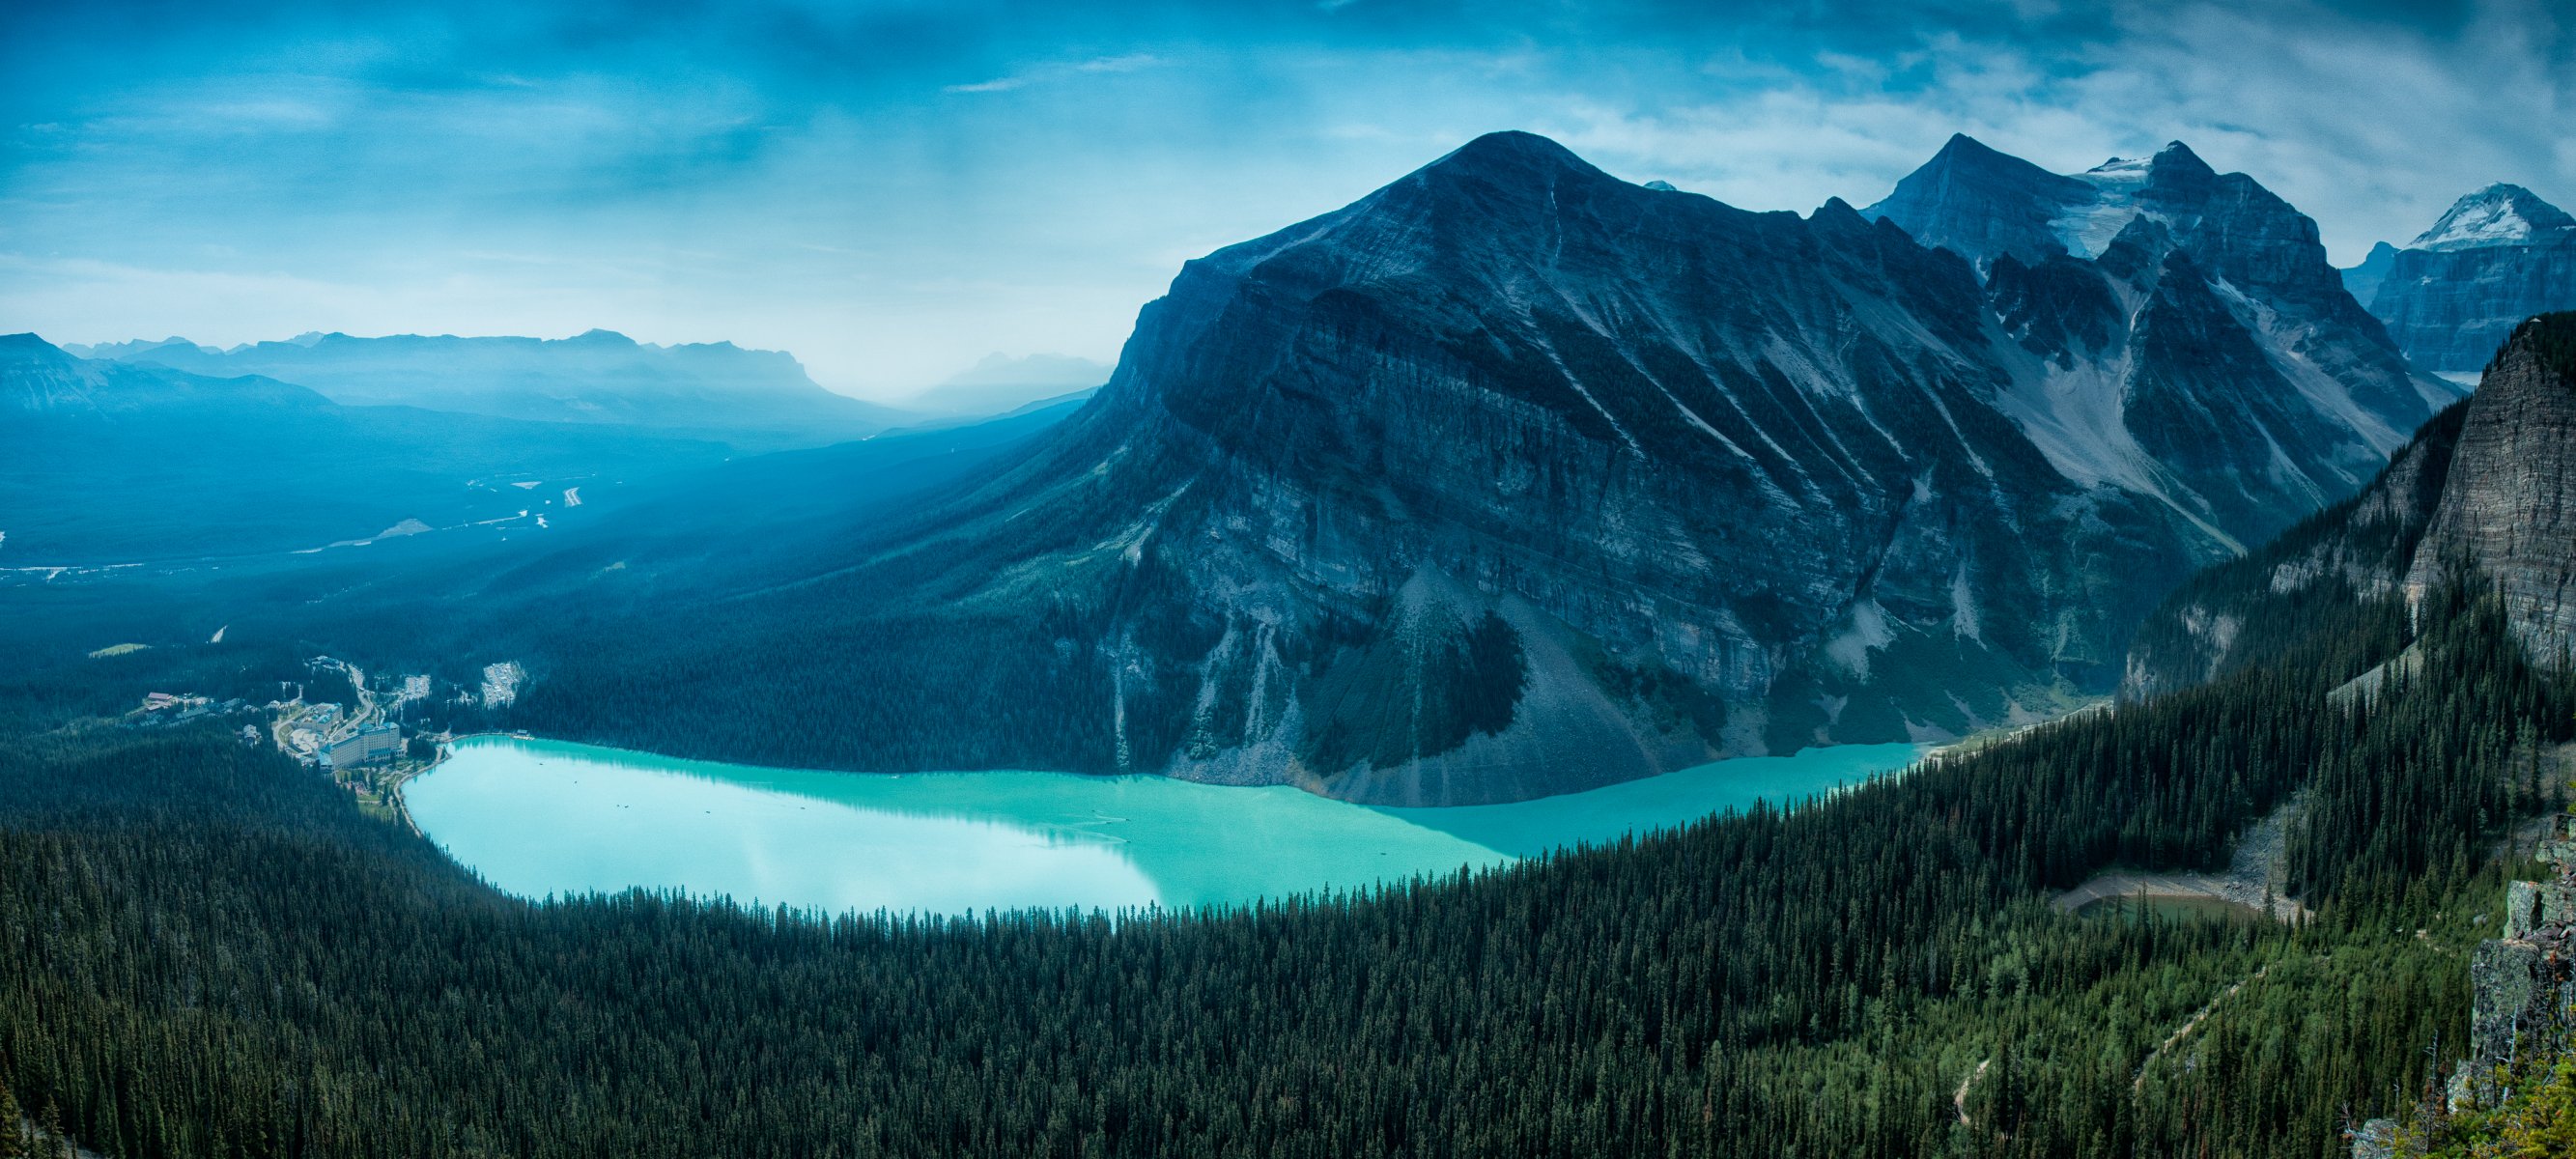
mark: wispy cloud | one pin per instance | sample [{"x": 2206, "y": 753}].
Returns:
[{"x": 1060, "y": 71}]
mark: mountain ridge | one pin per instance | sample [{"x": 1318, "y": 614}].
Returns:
[{"x": 762, "y": 399}]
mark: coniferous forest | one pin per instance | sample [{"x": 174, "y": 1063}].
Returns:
[{"x": 207, "y": 950}]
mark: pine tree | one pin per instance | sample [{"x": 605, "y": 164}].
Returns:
[{"x": 14, "y": 1143}]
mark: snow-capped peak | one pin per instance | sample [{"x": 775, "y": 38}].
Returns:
[{"x": 2496, "y": 215}]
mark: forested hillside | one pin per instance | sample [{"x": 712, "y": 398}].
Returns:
[{"x": 205, "y": 950}]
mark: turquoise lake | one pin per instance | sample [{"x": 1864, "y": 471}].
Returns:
[{"x": 546, "y": 818}]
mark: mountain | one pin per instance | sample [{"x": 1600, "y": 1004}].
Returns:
[
  {"x": 1513, "y": 478},
  {"x": 39, "y": 381},
  {"x": 2196, "y": 342},
  {"x": 1000, "y": 384},
  {"x": 2483, "y": 489},
  {"x": 2365, "y": 279},
  {"x": 757, "y": 399},
  {"x": 113, "y": 462},
  {"x": 2500, "y": 255}
]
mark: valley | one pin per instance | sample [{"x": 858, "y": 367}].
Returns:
[{"x": 1314, "y": 581}]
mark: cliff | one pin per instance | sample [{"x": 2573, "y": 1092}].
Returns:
[
  {"x": 2487, "y": 489},
  {"x": 2508, "y": 508}
]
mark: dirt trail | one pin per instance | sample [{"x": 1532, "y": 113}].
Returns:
[
  {"x": 2139, "y": 1083},
  {"x": 1960, "y": 1101}
]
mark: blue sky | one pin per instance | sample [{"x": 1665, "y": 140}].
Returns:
[{"x": 893, "y": 190}]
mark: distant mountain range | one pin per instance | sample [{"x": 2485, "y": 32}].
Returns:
[
  {"x": 1000, "y": 384},
  {"x": 2452, "y": 295},
  {"x": 110, "y": 462},
  {"x": 755, "y": 399},
  {"x": 1514, "y": 478}
]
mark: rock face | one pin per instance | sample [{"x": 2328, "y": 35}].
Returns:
[
  {"x": 1514, "y": 478},
  {"x": 2509, "y": 506},
  {"x": 2488, "y": 487},
  {"x": 757, "y": 398},
  {"x": 2452, "y": 295}
]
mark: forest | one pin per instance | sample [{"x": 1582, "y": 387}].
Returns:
[{"x": 207, "y": 950}]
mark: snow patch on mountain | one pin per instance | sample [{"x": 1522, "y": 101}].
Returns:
[{"x": 2087, "y": 227}]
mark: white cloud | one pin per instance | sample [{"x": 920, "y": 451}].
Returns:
[{"x": 1060, "y": 70}]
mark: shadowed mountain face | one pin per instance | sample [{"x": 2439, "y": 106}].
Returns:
[
  {"x": 1513, "y": 478},
  {"x": 2484, "y": 488},
  {"x": 2454, "y": 294},
  {"x": 759, "y": 399}
]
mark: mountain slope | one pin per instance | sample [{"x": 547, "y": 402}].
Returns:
[
  {"x": 1513, "y": 478},
  {"x": 758, "y": 398},
  {"x": 2499, "y": 255}
]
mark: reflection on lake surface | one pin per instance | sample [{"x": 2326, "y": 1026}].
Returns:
[{"x": 540, "y": 818}]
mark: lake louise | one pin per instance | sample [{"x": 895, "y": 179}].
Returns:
[{"x": 546, "y": 818}]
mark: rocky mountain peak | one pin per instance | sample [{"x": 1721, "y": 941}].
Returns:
[
  {"x": 2177, "y": 160},
  {"x": 2454, "y": 295},
  {"x": 1982, "y": 204},
  {"x": 2497, "y": 215},
  {"x": 1509, "y": 154},
  {"x": 2365, "y": 279}
]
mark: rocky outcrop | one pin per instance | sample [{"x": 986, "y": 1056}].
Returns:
[
  {"x": 2453, "y": 295},
  {"x": 2522, "y": 986},
  {"x": 2508, "y": 508},
  {"x": 2365, "y": 279},
  {"x": 2521, "y": 982}
]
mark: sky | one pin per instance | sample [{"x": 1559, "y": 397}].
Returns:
[{"x": 894, "y": 190}]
